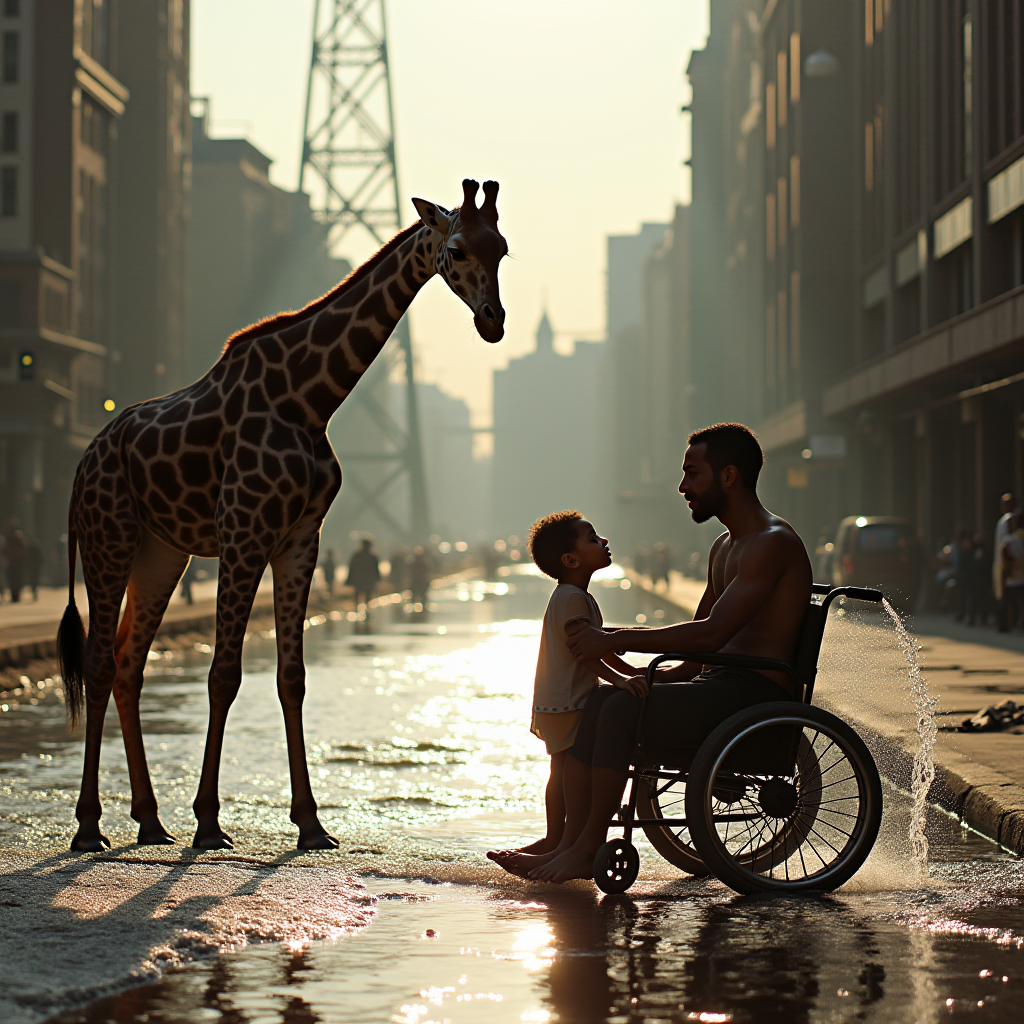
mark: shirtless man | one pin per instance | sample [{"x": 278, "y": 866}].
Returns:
[{"x": 759, "y": 587}]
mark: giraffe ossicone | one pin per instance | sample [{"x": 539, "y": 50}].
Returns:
[{"x": 238, "y": 466}]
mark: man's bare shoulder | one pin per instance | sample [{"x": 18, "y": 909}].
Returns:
[{"x": 777, "y": 541}]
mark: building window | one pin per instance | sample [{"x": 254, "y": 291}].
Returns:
[
  {"x": 869, "y": 156},
  {"x": 968, "y": 95},
  {"x": 9, "y": 132},
  {"x": 781, "y": 190},
  {"x": 781, "y": 78},
  {"x": 794, "y": 191},
  {"x": 794, "y": 319},
  {"x": 12, "y": 8},
  {"x": 769, "y": 113},
  {"x": 769, "y": 224},
  {"x": 10, "y": 304},
  {"x": 781, "y": 333},
  {"x": 794, "y": 68},
  {"x": 10, "y": 57},
  {"x": 8, "y": 191}
]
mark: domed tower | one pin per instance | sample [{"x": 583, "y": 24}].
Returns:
[{"x": 545, "y": 335}]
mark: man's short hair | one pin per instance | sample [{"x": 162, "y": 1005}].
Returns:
[
  {"x": 731, "y": 444},
  {"x": 551, "y": 537}
]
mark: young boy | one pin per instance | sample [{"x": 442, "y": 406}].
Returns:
[{"x": 566, "y": 547}]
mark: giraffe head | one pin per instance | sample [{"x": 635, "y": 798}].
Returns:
[{"x": 468, "y": 254}]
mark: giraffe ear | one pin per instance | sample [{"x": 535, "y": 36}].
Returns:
[{"x": 432, "y": 215}]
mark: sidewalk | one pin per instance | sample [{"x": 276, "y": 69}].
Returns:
[
  {"x": 28, "y": 629},
  {"x": 979, "y": 776}
]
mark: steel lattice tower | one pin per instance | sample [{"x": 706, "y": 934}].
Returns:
[{"x": 349, "y": 171}]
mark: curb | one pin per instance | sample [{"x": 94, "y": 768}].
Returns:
[{"x": 981, "y": 797}]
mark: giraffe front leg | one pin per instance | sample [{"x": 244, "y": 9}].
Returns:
[
  {"x": 236, "y": 588},
  {"x": 293, "y": 575}
]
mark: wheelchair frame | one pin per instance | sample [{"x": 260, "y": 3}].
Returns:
[{"x": 803, "y": 672}]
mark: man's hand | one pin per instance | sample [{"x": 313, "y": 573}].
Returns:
[
  {"x": 587, "y": 643},
  {"x": 637, "y": 685}
]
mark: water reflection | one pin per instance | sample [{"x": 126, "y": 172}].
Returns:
[
  {"x": 673, "y": 952},
  {"x": 419, "y": 744}
]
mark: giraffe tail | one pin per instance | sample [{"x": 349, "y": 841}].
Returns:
[{"x": 71, "y": 640}]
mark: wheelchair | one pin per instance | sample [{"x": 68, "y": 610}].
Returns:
[{"x": 781, "y": 797}]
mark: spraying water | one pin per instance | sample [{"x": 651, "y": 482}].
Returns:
[{"x": 924, "y": 760}]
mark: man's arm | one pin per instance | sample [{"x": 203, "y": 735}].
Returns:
[{"x": 761, "y": 564}]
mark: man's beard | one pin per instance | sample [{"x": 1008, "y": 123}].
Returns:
[{"x": 709, "y": 504}]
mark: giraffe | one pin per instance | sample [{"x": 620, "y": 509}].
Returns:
[{"x": 238, "y": 466}]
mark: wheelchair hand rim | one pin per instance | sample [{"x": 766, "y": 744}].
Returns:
[{"x": 821, "y": 878}]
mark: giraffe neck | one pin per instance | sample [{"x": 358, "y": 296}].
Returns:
[{"x": 310, "y": 367}]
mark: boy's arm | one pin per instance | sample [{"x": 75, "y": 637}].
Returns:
[{"x": 634, "y": 682}]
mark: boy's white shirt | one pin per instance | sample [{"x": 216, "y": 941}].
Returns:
[{"x": 561, "y": 683}]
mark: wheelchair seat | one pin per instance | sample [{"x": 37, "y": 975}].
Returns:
[{"x": 781, "y": 796}]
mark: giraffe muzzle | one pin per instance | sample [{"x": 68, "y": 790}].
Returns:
[{"x": 490, "y": 323}]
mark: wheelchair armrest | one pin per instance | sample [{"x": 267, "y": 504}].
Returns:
[{"x": 726, "y": 660}]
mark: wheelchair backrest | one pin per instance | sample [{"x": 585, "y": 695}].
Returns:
[{"x": 809, "y": 646}]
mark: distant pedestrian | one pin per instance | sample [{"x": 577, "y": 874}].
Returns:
[
  {"x": 660, "y": 564},
  {"x": 396, "y": 574},
  {"x": 419, "y": 577},
  {"x": 364, "y": 572},
  {"x": 1006, "y": 503},
  {"x": 1012, "y": 551},
  {"x": 330, "y": 572},
  {"x": 188, "y": 577},
  {"x": 17, "y": 563},
  {"x": 963, "y": 565},
  {"x": 34, "y": 566}
]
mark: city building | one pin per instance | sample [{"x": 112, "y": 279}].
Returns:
[
  {"x": 60, "y": 103},
  {"x": 622, "y": 438},
  {"x": 933, "y": 397},
  {"x": 458, "y": 483},
  {"x": 861, "y": 164},
  {"x": 254, "y": 247},
  {"x": 153, "y": 170},
  {"x": 774, "y": 171},
  {"x": 547, "y": 449},
  {"x": 652, "y": 392}
]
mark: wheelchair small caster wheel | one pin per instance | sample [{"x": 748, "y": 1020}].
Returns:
[{"x": 616, "y": 866}]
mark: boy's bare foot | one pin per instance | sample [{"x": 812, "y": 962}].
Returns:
[
  {"x": 544, "y": 845},
  {"x": 509, "y": 861},
  {"x": 572, "y": 863}
]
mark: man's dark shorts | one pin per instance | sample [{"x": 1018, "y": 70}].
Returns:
[{"x": 680, "y": 716}]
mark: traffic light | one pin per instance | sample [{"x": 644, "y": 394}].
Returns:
[{"x": 26, "y": 366}]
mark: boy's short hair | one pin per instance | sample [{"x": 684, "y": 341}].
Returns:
[
  {"x": 551, "y": 537},
  {"x": 731, "y": 444}
]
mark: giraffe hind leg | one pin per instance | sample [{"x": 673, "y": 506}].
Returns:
[
  {"x": 155, "y": 574},
  {"x": 106, "y": 579}
]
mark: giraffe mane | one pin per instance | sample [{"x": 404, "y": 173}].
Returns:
[{"x": 278, "y": 321}]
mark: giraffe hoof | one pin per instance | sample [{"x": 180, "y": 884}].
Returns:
[
  {"x": 93, "y": 842},
  {"x": 155, "y": 835},
  {"x": 214, "y": 841},
  {"x": 321, "y": 841}
]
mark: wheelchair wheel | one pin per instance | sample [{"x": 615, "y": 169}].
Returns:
[
  {"x": 810, "y": 829},
  {"x": 665, "y": 798},
  {"x": 616, "y": 866}
]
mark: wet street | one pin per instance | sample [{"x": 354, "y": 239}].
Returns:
[{"x": 421, "y": 759}]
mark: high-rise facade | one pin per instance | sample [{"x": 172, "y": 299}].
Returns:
[
  {"x": 153, "y": 172},
  {"x": 857, "y": 198},
  {"x": 60, "y": 102}
]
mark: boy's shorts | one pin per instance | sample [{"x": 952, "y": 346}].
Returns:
[{"x": 556, "y": 728}]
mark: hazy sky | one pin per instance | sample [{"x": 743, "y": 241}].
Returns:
[{"x": 572, "y": 105}]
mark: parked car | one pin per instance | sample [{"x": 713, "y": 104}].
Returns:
[{"x": 878, "y": 551}]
